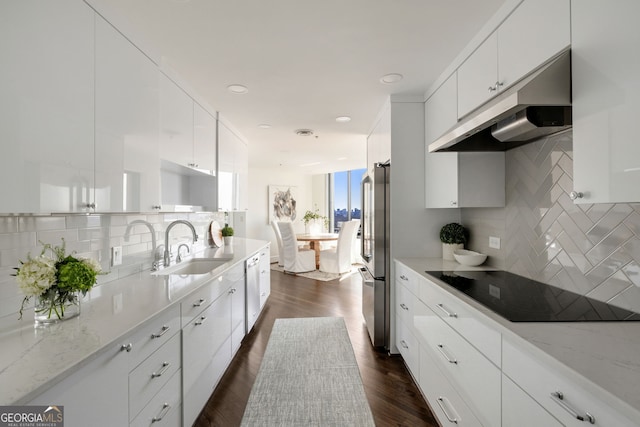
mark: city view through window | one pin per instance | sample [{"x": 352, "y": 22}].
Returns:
[{"x": 346, "y": 196}]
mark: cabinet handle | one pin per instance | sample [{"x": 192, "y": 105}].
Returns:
[
  {"x": 165, "y": 366},
  {"x": 161, "y": 415},
  {"x": 454, "y": 203},
  {"x": 156, "y": 207},
  {"x": 199, "y": 303},
  {"x": 441, "y": 404},
  {"x": 232, "y": 290},
  {"x": 404, "y": 306},
  {"x": 201, "y": 321},
  {"x": 126, "y": 347},
  {"x": 446, "y": 356},
  {"x": 492, "y": 88},
  {"x": 403, "y": 277},
  {"x": 558, "y": 397},
  {"x": 576, "y": 195},
  {"x": 263, "y": 294},
  {"x": 90, "y": 205},
  {"x": 403, "y": 343},
  {"x": 447, "y": 312},
  {"x": 163, "y": 331}
]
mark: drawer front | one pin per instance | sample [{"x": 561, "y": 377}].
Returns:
[
  {"x": 165, "y": 408},
  {"x": 408, "y": 346},
  {"x": 406, "y": 305},
  {"x": 464, "y": 319},
  {"x": 541, "y": 382},
  {"x": 520, "y": 410},
  {"x": 475, "y": 378},
  {"x": 152, "y": 374},
  {"x": 195, "y": 303},
  {"x": 408, "y": 278},
  {"x": 446, "y": 404},
  {"x": 153, "y": 335}
]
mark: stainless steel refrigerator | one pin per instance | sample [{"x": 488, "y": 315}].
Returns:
[{"x": 375, "y": 254}]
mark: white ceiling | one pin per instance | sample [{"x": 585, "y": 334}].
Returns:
[{"x": 304, "y": 62}]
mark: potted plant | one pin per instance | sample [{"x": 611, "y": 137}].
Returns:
[
  {"x": 227, "y": 234},
  {"x": 453, "y": 236},
  {"x": 314, "y": 222}
]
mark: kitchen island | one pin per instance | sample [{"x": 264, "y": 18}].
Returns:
[
  {"x": 34, "y": 360},
  {"x": 593, "y": 367}
]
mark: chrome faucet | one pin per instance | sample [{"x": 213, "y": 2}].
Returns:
[
  {"x": 167, "y": 249},
  {"x": 180, "y": 246},
  {"x": 127, "y": 235}
]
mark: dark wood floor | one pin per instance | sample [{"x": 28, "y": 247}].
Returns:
[{"x": 392, "y": 394}]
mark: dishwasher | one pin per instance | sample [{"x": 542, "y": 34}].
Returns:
[{"x": 253, "y": 291}]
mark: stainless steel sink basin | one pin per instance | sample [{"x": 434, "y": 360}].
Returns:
[{"x": 192, "y": 266}]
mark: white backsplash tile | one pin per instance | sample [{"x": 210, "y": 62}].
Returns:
[{"x": 589, "y": 249}]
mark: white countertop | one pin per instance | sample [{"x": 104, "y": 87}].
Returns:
[
  {"x": 602, "y": 357},
  {"x": 33, "y": 359}
]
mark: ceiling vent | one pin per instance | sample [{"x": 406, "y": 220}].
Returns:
[{"x": 304, "y": 132}]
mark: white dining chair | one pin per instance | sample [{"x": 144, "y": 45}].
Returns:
[
  {"x": 295, "y": 260},
  {"x": 338, "y": 259},
  {"x": 276, "y": 231}
]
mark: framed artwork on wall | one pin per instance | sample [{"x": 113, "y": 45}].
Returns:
[{"x": 282, "y": 203}]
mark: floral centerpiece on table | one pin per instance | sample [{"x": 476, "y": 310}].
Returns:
[{"x": 56, "y": 282}]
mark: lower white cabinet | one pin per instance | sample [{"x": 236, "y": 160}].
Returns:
[
  {"x": 265, "y": 275},
  {"x": 520, "y": 410},
  {"x": 408, "y": 346},
  {"x": 165, "y": 408}
]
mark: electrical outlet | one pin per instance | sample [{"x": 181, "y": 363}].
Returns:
[
  {"x": 494, "y": 242},
  {"x": 116, "y": 255}
]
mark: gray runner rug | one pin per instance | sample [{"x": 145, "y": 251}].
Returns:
[{"x": 308, "y": 377}]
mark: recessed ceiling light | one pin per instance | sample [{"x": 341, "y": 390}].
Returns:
[
  {"x": 304, "y": 165},
  {"x": 341, "y": 158},
  {"x": 391, "y": 78},
  {"x": 264, "y": 126},
  {"x": 238, "y": 89},
  {"x": 304, "y": 132},
  {"x": 343, "y": 119}
]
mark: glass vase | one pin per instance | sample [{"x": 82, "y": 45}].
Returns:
[{"x": 56, "y": 307}]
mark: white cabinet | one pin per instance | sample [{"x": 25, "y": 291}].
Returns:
[
  {"x": 46, "y": 106},
  {"x": 460, "y": 180},
  {"x": 478, "y": 76},
  {"x": 441, "y": 109},
  {"x": 176, "y": 123},
  {"x": 518, "y": 46},
  {"x": 265, "y": 275},
  {"x": 236, "y": 279},
  {"x": 127, "y": 167},
  {"x": 84, "y": 400},
  {"x": 204, "y": 140},
  {"x": 520, "y": 410},
  {"x": 605, "y": 68},
  {"x": 379, "y": 140},
  {"x": 233, "y": 160}
]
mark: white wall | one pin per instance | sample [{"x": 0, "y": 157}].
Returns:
[{"x": 258, "y": 226}]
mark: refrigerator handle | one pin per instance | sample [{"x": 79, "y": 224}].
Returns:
[{"x": 364, "y": 215}]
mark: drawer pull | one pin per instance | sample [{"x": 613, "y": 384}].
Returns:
[
  {"x": 442, "y": 405},
  {"x": 201, "y": 321},
  {"x": 232, "y": 290},
  {"x": 403, "y": 343},
  {"x": 447, "y": 312},
  {"x": 447, "y": 356},
  {"x": 404, "y": 306},
  {"x": 161, "y": 415},
  {"x": 165, "y": 366},
  {"x": 163, "y": 331},
  {"x": 403, "y": 277},
  {"x": 126, "y": 347},
  {"x": 199, "y": 303},
  {"x": 558, "y": 397}
]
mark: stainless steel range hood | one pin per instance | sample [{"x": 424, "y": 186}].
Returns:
[{"x": 538, "y": 105}]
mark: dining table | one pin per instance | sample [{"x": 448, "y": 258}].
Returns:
[{"x": 315, "y": 240}]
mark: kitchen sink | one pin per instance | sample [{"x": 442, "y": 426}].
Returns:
[{"x": 192, "y": 266}]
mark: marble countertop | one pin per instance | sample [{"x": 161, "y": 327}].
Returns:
[
  {"x": 35, "y": 358},
  {"x": 602, "y": 357}
]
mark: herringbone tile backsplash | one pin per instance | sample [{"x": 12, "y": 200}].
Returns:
[{"x": 592, "y": 249}]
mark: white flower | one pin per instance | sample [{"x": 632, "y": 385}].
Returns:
[
  {"x": 36, "y": 275},
  {"x": 92, "y": 264}
]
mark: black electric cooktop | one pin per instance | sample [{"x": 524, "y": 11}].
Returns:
[{"x": 519, "y": 299}]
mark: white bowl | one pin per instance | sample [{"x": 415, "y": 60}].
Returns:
[{"x": 469, "y": 258}]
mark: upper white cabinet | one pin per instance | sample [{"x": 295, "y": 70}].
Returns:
[
  {"x": 478, "y": 79},
  {"x": 127, "y": 169},
  {"x": 204, "y": 140},
  {"x": 233, "y": 170},
  {"x": 46, "y": 106},
  {"x": 379, "y": 140},
  {"x": 606, "y": 89},
  {"x": 532, "y": 34},
  {"x": 176, "y": 123},
  {"x": 441, "y": 109}
]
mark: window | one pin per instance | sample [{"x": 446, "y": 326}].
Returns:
[{"x": 345, "y": 196}]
